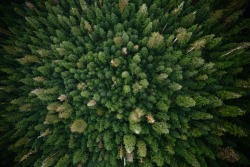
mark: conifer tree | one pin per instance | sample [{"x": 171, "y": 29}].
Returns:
[{"x": 123, "y": 83}]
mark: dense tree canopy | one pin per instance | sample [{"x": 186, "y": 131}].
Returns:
[{"x": 123, "y": 83}]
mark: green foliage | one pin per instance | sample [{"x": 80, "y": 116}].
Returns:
[
  {"x": 156, "y": 40},
  {"x": 161, "y": 127},
  {"x": 109, "y": 83},
  {"x": 63, "y": 162},
  {"x": 228, "y": 95},
  {"x": 142, "y": 149},
  {"x": 78, "y": 126},
  {"x": 126, "y": 89},
  {"x": 185, "y": 101},
  {"x": 129, "y": 142},
  {"x": 231, "y": 111}
]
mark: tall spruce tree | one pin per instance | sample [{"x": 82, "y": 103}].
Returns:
[{"x": 123, "y": 83}]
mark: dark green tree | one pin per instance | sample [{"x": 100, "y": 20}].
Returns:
[{"x": 122, "y": 83}]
